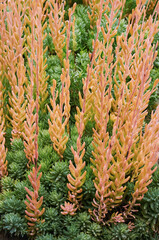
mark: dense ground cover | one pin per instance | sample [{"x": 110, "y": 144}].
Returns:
[{"x": 123, "y": 208}]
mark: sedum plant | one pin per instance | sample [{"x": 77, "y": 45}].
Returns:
[
  {"x": 3, "y": 150},
  {"x": 124, "y": 151},
  {"x": 13, "y": 63},
  {"x": 149, "y": 209},
  {"x": 60, "y": 113},
  {"x": 117, "y": 158},
  {"x": 56, "y": 22},
  {"x": 96, "y": 166}
]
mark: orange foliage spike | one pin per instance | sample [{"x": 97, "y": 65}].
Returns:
[
  {"x": 29, "y": 135},
  {"x": 76, "y": 178},
  {"x": 102, "y": 150},
  {"x": 135, "y": 98},
  {"x": 3, "y": 34},
  {"x": 33, "y": 205},
  {"x": 40, "y": 27},
  {"x": 89, "y": 83},
  {"x": 60, "y": 113},
  {"x": 56, "y": 21},
  {"x": 3, "y": 151},
  {"x": 136, "y": 101},
  {"x": 146, "y": 156},
  {"x": 56, "y": 126},
  {"x": 106, "y": 199},
  {"x": 34, "y": 43},
  {"x": 17, "y": 111},
  {"x": 12, "y": 39},
  {"x": 13, "y": 62},
  {"x": 118, "y": 154},
  {"x": 30, "y": 123},
  {"x": 95, "y": 11}
]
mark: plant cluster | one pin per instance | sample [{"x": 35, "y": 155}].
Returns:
[{"x": 79, "y": 119}]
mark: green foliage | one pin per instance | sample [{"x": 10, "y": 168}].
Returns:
[
  {"x": 62, "y": 238},
  {"x": 53, "y": 69},
  {"x": 15, "y": 224},
  {"x": 94, "y": 230},
  {"x": 7, "y": 184},
  {"x": 45, "y": 164},
  {"x": 56, "y": 199},
  {"x": 71, "y": 230},
  {"x": 70, "y": 227},
  {"x": 45, "y": 153},
  {"x": 154, "y": 74},
  {"x": 88, "y": 189},
  {"x": 68, "y": 155},
  {"x": 82, "y": 26},
  {"x": 52, "y": 222},
  {"x": 80, "y": 226},
  {"x": 155, "y": 178},
  {"x": 71, "y": 2},
  {"x": 120, "y": 231},
  {"x": 141, "y": 230},
  {"x": 44, "y": 138},
  {"x": 84, "y": 221},
  {"x": 88, "y": 153},
  {"x": 122, "y": 27},
  {"x": 129, "y": 6},
  {"x": 44, "y": 237},
  {"x": 84, "y": 236},
  {"x": 82, "y": 60},
  {"x": 88, "y": 149},
  {"x": 6, "y": 195},
  {"x": 19, "y": 190},
  {"x": 17, "y": 156},
  {"x": 12, "y": 205},
  {"x": 48, "y": 42},
  {"x": 129, "y": 191},
  {"x": 17, "y": 145},
  {"x": 59, "y": 172},
  {"x": 44, "y": 116},
  {"x": 106, "y": 233},
  {"x": 43, "y": 192},
  {"x": 150, "y": 208},
  {"x": 88, "y": 131},
  {"x": 17, "y": 161},
  {"x": 78, "y": 70},
  {"x": 56, "y": 179},
  {"x": 8, "y": 136},
  {"x": 16, "y": 170},
  {"x": 54, "y": 172}
]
